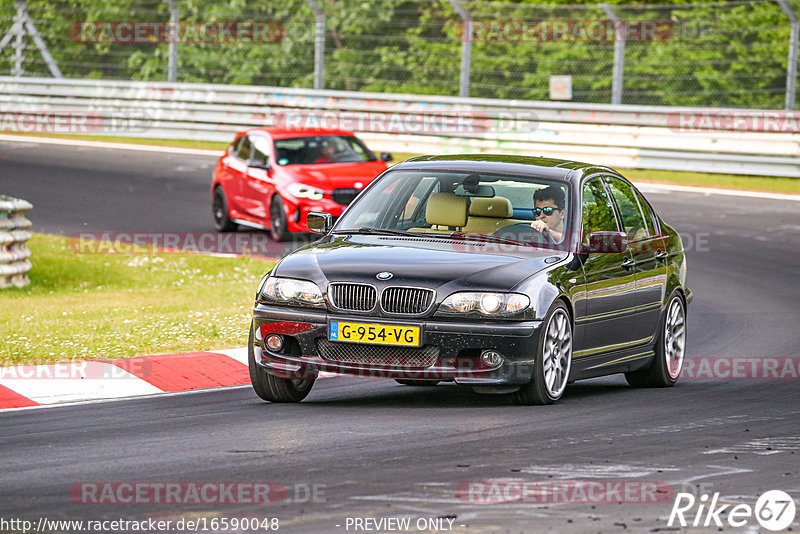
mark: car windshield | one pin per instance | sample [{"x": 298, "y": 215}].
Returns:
[
  {"x": 458, "y": 205},
  {"x": 321, "y": 149}
]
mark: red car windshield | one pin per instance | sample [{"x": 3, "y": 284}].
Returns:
[{"x": 321, "y": 149}]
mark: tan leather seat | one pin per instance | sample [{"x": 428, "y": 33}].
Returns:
[
  {"x": 444, "y": 210},
  {"x": 488, "y": 215}
]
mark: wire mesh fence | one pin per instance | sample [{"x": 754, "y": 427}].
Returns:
[{"x": 721, "y": 54}]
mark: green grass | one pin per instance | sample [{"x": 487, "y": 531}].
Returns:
[
  {"x": 104, "y": 306},
  {"x": 767, "y": 184}
]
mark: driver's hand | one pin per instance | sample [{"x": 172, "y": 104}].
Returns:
[{"x": 539, "y": 226}]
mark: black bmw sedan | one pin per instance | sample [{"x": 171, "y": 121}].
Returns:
[{"x": 507, "y": 274}]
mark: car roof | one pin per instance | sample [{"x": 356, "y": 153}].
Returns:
[
  {"x": 288, "y": 133},
  {"x": 559, "y": 169}
]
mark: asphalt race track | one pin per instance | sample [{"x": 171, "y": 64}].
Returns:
[{"x": 378, "y": 449}]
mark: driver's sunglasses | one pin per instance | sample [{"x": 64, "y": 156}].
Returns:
[{"x": 547, "y": 211}]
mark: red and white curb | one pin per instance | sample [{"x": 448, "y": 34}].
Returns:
[{"x": 41, "y": 385}]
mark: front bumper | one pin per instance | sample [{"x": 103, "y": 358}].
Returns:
[{"x": 452, "y": 348}]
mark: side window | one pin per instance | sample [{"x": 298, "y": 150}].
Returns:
[
  {"x": 598, "y": 214},
  {"x": 234, "y": 147},
  {"x": 260, "y": 149},
  {"x": 243, "y": 150},
  {"x": 649, "y": 216},
  {"x": 629, "y": 209}
]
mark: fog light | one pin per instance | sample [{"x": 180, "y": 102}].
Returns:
[
  {"x": 491, "y": 358},
  {"x": 274, "y": 342}
]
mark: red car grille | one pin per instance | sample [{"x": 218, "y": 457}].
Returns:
[{"x": 344, "y": 196}]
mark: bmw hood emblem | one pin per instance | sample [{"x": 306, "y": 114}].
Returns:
[{"x": 385, "y": 275}]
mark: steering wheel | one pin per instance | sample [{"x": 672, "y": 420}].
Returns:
[
  {"x": 548, "y": 237},
  {"x": 528, "y": 234}
]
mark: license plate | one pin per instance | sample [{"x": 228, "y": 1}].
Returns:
[{"x": 375, "y": 334}]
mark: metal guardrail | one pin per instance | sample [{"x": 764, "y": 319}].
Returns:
[
  {"x": 14, "y": 254},
  {"x": 716, "y": 140}
]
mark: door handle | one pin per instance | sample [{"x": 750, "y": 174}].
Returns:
[
  {"x": 627, "y": 263},
  {"x": 661, "y": 254}
]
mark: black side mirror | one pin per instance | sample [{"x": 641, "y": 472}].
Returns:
[
  {"x": 258, "y": 164},
  {"x": 606, "y": 242},
  {"x": 319, "y": 222},
  {"x": 385, "y": 156}
]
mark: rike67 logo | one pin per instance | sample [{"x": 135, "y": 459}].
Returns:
[{"x": 774, "y": 510}]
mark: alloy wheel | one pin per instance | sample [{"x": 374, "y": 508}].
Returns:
[
  {"x": 674, "y": 338},
  {"x": 557, "y": 353}
]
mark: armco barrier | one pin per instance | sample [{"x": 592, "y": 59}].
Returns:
[
  {"x": 716, "y": 140},
  {"x": 14, "y": 255}
]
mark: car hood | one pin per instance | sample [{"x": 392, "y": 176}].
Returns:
[
  {"x": 423, "y": 262},
  {"x": 330, "y": 176}
]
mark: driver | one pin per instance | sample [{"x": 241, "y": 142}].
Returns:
[
  {"x": 327, "y": 154},
  {"x": 548, "y": 208},
  {"x": 549, "y": 212}
]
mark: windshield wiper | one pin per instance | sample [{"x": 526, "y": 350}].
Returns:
[
  {"x": 366, "y": 230},
  {"x": 490, "y": 239}
]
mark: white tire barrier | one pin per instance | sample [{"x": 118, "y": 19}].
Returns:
[{"x": 14, "y": 254}]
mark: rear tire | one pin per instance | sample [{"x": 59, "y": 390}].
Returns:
[
  {"x": 219, "y": 208},
  {"x": 553, "y": 360},
  {"x": 278, "y": 225},
  {"x": 420, "y": 383},
  {"x": 670, "y": 349},
  {"x": 273, "y": 388}
]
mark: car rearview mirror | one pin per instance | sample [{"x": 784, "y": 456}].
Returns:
[
  {"x": 319, "y": 222},
  {"x": 385, "y": 156},
  {"x": 606, "y": 242},
  {"x": 482, "y": 191}
]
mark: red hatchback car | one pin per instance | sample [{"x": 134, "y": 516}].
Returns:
[{"x": 271, "y": 178}]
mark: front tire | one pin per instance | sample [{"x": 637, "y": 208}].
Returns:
[
  {"x": 669, "y": 350},
  {"x": 273, "y": 388},
  {"x": 278, "y": 225},
  {"x": 553, "y": 360},
  {"x": 219, "y": 208}
]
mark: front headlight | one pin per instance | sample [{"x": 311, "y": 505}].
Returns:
[
  {"x": 277, "y": 290},
  {"x": 486, "y": 304},
  {"x": 305, "y": 191}
]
